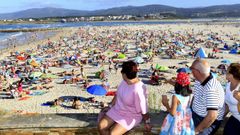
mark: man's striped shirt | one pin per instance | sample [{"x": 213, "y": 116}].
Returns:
[{"x": 208, "y": 95}]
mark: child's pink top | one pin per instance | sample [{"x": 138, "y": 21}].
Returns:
[{"x": 130, "y": 104}]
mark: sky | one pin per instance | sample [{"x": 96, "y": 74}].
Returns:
[{"x": 7, "y": 6}]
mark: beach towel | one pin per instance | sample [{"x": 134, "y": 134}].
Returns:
[
  {"x": 23, "y": 98},
  {"x": 111, "y": 93},
  {"x": 47, "y": 104},
  {"x": 38, "y": 93}
]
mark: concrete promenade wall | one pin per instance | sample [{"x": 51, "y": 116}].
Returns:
[{"x": 66, "y": 124}]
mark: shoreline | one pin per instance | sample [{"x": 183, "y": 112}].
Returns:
[
  {"x": 150, "y": 20},
  {"x": 28, "y": 30},
  {"x": 60, "y": 32}
]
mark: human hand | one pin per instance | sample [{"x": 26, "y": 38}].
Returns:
[
  {"x": 147, "y": 127},
  {"x": 196, "y": 133},
  {"x": 236, "y": 94}
]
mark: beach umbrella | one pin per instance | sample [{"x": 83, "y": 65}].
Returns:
[
  {"x": 226, "y": 61},
  {"x": 121, "y": 56},
  {"x": 96, "y": 90},
  {"x": 36, "y": 74},
  {"x": 185, "y": 70},
  {"x": 139, "y": 60}
]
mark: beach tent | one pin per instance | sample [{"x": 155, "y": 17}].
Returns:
[
  {"x": 201, "y": 53},
  {"x": 162, "y": 68},
  {"x": 35, "y": 74},
  {"x": 96, "y": 90},
  {"x": 139, "y": 60},
  {"x": 121, "y": 56},
  {"x": 234, "y": 51}
]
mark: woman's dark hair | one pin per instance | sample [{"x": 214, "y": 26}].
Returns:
[
  {"x": 130, "y": 69},
  {"x": 234, "y": 69},
  {"x": 182, "y": 90}
]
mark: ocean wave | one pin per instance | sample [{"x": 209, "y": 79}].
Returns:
[{"x": 17, "y": 34}]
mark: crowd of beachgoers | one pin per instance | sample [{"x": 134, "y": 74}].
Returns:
[{"x": 53, "y": 76}]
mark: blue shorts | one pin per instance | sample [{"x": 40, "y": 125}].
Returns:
[{"x": 207, "y": 131}]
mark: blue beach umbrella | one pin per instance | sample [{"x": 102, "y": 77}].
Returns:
[
  {"x": 96, "y": 90},
  {"x": 185, "y": 70},
  {"x": 226, "y": 61}
]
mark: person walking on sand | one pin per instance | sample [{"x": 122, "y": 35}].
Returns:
[{"x": 129, "y": 106}]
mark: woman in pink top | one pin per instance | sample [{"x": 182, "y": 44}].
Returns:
[{"x": 129, "y": 105}]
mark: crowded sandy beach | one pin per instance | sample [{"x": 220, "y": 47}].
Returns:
[{"x": 53, "y": 75}]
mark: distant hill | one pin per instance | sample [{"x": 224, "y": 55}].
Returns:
[
  {"x": 203, "y": 12},
  {"x": 43, "y": 12}
]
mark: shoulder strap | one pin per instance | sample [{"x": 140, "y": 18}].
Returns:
[{"x": 189, "y": 100}]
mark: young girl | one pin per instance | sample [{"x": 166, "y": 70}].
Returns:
[{"x": 179, "y": 120}]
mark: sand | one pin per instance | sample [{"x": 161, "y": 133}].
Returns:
[{"x": 34, "y": 103}]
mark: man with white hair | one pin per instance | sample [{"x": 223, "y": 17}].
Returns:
[{"x": 208, "y": 101}]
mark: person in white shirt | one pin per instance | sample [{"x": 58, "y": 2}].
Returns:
[{"x": 232, "y": 100}]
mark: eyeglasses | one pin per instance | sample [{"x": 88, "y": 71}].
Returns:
[{"x": 192, "y": 68}]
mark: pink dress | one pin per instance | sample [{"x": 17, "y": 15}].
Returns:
[{"x": 130, "y": 104}]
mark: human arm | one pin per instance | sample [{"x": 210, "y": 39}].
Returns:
[
  {"x": 142, "y": 106},
  {"x": 236, "y": 95},
  {"x": 226, "y": 110},
  {"x": 170, "y": 81},
  {"x": 173, "y": 109},
  {"x": 112, "y": 103},
  {"x": 207, "y": 121}
]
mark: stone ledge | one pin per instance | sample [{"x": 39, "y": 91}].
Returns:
[{"x": 69, "y": 124}]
